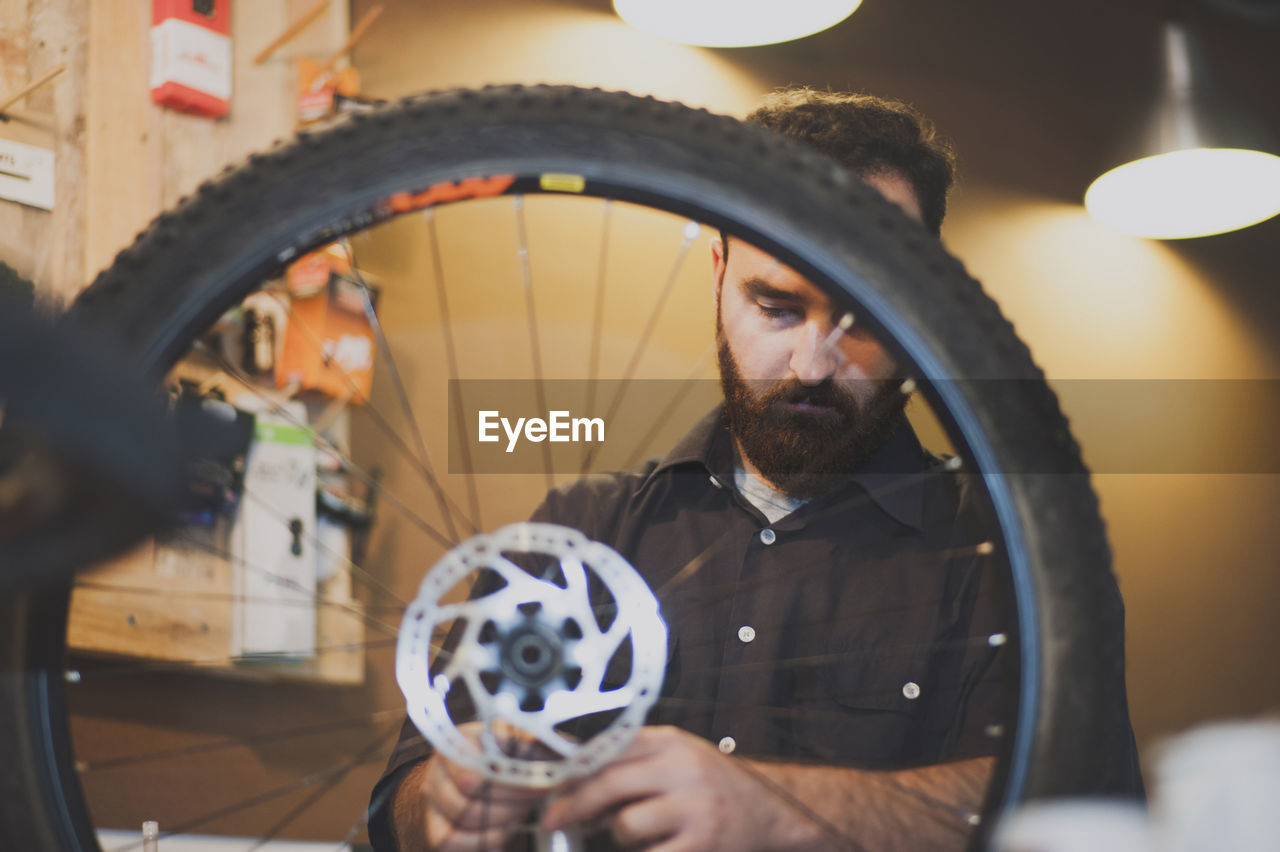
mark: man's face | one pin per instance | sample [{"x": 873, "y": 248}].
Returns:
[{"x": 806, "y": 402}]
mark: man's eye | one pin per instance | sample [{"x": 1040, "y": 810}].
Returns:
[{"x": 776, "y": 311}]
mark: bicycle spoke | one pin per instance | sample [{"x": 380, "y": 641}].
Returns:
[
  {"x": 351, "y": 569},
  {"x": 809, "y": 813},
  {"x": 238, "y": 742},
  {"x": 368, "y": 754},
  {"x": 360, "y": 824},
  {"x": 229, "y": 597},
  {"x": 961, "y": 819},
  {"x": 394, "y": 372},
  {"x": 679, "y": 592},
  {"x": 451, "y": 357},
  {"x": 322, "y": 790},
  {"x": 535, "y": 347},
  {"x": 519, "y": 750},
  {"x": 691, "y": 231},
  {"x": 641, "y": 322},
  {"x": 885, "y": 778},
  {"x": 808, "y": 660},
  {"x": 664, "y": 416},
  {"x": 700, "y": 706},
  {"x": 372, "y": 411},
  {"x": 144, "y": 666},
  {"x": 288, "y": 583},
  {"x": 484, "y": 823},
  {"x": 932, "y": 802},
  {"x": 694, "y": 565},
  {"x": 597, "y": 312},
  {"x": 347, "y": 465},
  {"x": 718, "y": 594}
]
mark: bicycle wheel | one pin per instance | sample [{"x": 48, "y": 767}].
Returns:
[
  {"x": 591, "y": 159},
  {"x": 72, "y": 494},
  {"x": 68, "y": 497}
]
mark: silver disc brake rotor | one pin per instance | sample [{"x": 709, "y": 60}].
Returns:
[{"x": 534, "y": 652}]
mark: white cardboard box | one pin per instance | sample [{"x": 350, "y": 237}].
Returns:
[{"x": 276, "y": 563}]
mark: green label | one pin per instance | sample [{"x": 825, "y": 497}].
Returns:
[{"x": 277, "y": 433}]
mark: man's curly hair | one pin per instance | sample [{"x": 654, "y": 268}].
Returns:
[
  {"x": 14, "y": 287},
  {"x": 869, "y": 135}
]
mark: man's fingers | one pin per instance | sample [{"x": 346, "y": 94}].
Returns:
[
  {"x": 469, "y": 802},
  {"x": 451, "y": 790},
  {"x": 442, "y": 790},
  {"x": 450, "y": 838},
  {"x": 612, "y": 787},
  {"x": 473, "y": 785},
  {"x": 644, "y": 823},
  {"x": 650, "y": 741},
  {"x": 679, "y": 843},
  {"x": 648, "y": 767}
]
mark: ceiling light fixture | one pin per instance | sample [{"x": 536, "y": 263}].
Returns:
[
  {"x": 1199, "y": 168},
  {"x": 733, "y": 23}
]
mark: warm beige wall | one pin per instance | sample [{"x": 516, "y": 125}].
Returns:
[
  {"x": 142, "y": 158},
  {"x": 1195, "y": 553},
  {"x": 47, "y": 246},
  {"x": 481, "y": 275},
  {"x": 121, "y": 159},
  {"x": 511, "y": 41}
]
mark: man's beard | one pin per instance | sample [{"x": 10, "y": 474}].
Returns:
[{"x": 805, "y": 454}]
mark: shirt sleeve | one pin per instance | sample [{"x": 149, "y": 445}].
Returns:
[
  {"x": 985, "y": 659},
  {"x": 409, "y": 750},
  {"x": 974, "y": 670}
]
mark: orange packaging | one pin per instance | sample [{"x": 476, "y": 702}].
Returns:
[
  {"x": 329, "y": 345},
  {"x": 310, "y": 273},
  {"x": 319, "y": 90}
]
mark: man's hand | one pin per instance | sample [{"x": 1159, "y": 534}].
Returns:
[
  {"x": 441, "y": 806},
  {"x": 671, "y": 791}
]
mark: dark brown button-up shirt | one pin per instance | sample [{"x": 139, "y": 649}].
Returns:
[{"x": 857, "y": 630}]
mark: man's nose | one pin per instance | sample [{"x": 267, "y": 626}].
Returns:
[{"x": 816, "y": 357}]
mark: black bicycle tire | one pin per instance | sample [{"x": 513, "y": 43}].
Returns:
[
  {"x": 193, "y": 263},
  {"x": 76, "y": 397}
]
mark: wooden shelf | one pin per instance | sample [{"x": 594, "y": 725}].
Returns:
[{"x": 176, "y": 600}]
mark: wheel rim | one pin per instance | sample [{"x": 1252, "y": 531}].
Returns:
[{"x": 957, "y": 406}]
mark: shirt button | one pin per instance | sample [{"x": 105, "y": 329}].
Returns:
[
  {"x": 911, "y": 690},
  {"x": 746, "y": 633},
  {"x": 768, "y": 536},
  {"x": 727, "y": 745}
]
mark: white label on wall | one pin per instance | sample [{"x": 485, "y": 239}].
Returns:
[
  {"x": 26, "y": 174},
  {"x": 192, "y": 56}
]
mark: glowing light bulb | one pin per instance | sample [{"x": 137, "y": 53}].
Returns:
[
  {"x": 733, "y": 23},
  {"x": 1192, "y": 193}
]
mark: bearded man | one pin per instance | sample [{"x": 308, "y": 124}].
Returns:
[{"x": 832, "y": 681}]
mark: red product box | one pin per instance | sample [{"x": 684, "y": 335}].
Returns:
[{"x": 191, "y": 55}]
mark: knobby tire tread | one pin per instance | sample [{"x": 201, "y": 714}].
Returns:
[{"x": 194, "y": 262}]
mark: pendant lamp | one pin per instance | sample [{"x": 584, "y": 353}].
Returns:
[
  {"x": 733, "y": 23},
  {"x": 1197, "y": 168}
]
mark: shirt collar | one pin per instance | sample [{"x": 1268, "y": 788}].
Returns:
[{"x": 890, "y": 476}]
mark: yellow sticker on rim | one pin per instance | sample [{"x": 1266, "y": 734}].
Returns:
[{"x": 562, "y": 183}]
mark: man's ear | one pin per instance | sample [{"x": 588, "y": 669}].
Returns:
[{"x": 717, "y": 266}]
